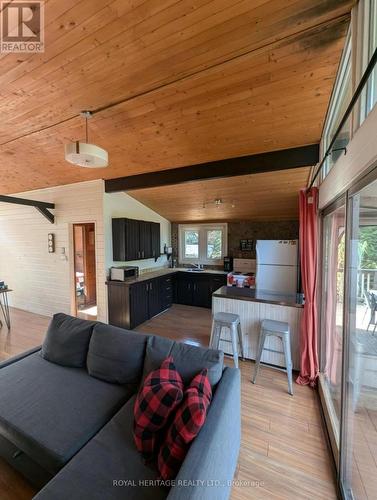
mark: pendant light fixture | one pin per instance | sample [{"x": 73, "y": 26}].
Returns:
[{"x": 84, "y": 154}]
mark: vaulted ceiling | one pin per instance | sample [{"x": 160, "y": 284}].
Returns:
[
  {"x": 191, "y": 82},
  {"x": 265, "y": 196}
]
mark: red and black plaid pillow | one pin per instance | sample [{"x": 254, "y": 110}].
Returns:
[
  {"x": 157, "y": 399},
  {"x": 188, "y": 421}
]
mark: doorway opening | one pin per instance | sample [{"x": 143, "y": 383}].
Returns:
[{"x": 84, "y": 245}]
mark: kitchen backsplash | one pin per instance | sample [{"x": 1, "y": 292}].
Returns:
[{"x": 272, "y": 230}]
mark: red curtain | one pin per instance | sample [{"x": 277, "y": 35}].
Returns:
[{"x": 308, "y": 260}]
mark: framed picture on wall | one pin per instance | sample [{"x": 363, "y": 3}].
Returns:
[{"x": 247, "y": 245}]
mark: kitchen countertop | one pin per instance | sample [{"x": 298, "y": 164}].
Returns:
[
  {"x": 165, "y": 272},
  {"x": 255, "y": 295}
]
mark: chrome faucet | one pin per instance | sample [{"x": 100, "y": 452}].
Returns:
[{"x": 197, "y": 266}]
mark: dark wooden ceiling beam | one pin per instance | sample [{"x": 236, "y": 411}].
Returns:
[
  {"x": 285, "y": 159},
  {"x": 41, "y": 206}
]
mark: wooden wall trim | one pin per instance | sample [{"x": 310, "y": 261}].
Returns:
[{"x": 245, "y": 165}]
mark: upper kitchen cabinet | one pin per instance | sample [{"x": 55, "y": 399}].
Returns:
[{"x": 135, "y": 240}]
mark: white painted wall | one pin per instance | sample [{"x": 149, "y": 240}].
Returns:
[
  {"x": 123, "y": 205},
  {"x": 361, "y": 155},
  {"x": 44, "y": 283}
]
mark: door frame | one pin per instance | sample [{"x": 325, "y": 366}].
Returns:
[{"x": 72, "y": 279}]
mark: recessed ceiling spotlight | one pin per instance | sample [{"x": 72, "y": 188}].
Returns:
[{"x": 84, "y": 154}]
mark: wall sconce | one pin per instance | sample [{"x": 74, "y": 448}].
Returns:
[{"x": 51, "y": 243}]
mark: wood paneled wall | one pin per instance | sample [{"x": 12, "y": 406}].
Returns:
[{"x": 44, "y": 283}]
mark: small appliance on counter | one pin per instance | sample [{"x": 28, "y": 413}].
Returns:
[
  {"x": 228, "y": 264},
  {"x": 123, "y": 273},
  {"x": 243, "y": 274}
]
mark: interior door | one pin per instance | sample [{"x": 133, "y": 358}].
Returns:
[
  {"x": 85, "y": 286},
  {"x": 90, "y": 264}
]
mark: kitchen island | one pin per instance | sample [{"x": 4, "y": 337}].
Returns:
[{"x": 253, "y": 306}]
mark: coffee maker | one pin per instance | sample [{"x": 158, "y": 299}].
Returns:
[{"x": 228, "y": 264}]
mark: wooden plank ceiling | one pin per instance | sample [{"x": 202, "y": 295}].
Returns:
[
  {"x": 199, "y": 81},
  {"x": 267, "y": 196}
]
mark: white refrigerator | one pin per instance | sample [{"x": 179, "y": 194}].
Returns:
[{"x": 277, "y": 266}]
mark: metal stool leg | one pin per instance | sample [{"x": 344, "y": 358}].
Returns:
[
  {"x": 240, "y": 340},
  {"x": 217, "y": 335},
  {"x": 212, "y": 338},
  {"x": 233, "y": 334},
  {"x": 288, "y": 361},
  {"x": 262, "y": 337}
]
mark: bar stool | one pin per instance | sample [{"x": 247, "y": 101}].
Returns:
[
  {"x": 281, "y": 330},
  {"x": 232, "y": 321}
]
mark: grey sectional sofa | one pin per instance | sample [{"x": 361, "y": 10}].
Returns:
[{"x": 69, "y": 429}]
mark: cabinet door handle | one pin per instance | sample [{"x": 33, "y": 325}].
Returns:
[
  {"x": 150, "y": 286},
  {"x": 142, "y": 253},
  {"x": 147, "y": 286}
]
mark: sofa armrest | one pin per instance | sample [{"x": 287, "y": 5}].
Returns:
[
  {"x": 23, "y": 355},
  {"x": 210, "y": 464}
]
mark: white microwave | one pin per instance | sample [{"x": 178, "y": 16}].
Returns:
[{"x": 123, "y": 273}]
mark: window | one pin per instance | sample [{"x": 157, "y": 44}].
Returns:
[
  {"x": 340, "y": 99},
  {"x": 202, "y": 243},
  {"x": 369, "y": 44},
  {"x": 191, "y": 244}
]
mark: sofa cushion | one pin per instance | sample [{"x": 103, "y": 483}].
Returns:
[
  {"x": 116, "y": 355},
  {"x": 50, "y": 411},
  {"x": 157, "y": 399},
  {"x": 188, "y": 359},
  {"x": 67, "y": 340},
  {"x": 188, "y": 421},
  {"x": 108, "y": 467}
]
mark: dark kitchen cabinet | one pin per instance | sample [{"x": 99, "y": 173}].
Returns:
[
  {"x": 154, "y": 298},
  {"x": 201, "y": 293},
  {"x": 185, "y": 285},
  {"x": 167, "y": 291},
  {"x": 155, "y": 239},
  {"x": 145, "y": 241},
  {"x": 196, "y": 290},
  {"x": 135, "y": 240},
  {"x": 139, "y": 304},
  {"x": 134, "y": 303},
  {"x": 132, "y": 236}
]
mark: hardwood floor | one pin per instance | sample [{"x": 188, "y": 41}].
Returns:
[
  {"x": 283, "y": 454},
  {"x": 27, "y": 331}
]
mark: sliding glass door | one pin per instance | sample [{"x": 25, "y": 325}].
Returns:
[
  {"x": 359, "y": 435},
  {"x": 333, "y": 231}
]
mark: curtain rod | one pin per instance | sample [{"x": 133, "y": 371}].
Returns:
[{"x": 347, "y": 113}]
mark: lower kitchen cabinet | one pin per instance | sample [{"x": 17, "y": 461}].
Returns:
[
  {"x": 196, "y": 290},
  {"x": 132, "y": 304},
  {"x": 138, "y": 304}
]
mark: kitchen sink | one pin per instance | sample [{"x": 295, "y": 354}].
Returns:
[{"x": 194, "y": 270}]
